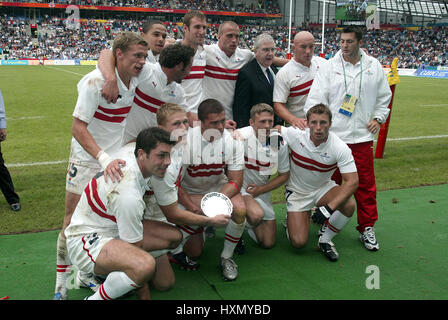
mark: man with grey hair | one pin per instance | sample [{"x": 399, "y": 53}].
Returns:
[{"x": 255, "y": 80}]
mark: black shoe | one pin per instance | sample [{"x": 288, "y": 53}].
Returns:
[
  {"x": 210, "y": 232},
  {"x": 329, "y": 251},
  {"x": 240, "y": 247},
  {"x": 183, "y": 261},
  {"x": 16, "y": 206}
]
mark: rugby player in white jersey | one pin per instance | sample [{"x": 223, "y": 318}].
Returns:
[
  {"x": 97, "y": 132},
  {"x": 106, "y": 233},
  {"x": 154, "y": 32},
  {"x": 211, "y": 150},
  {"x": 264, "y": 155},
  {"x": 294, "y": 80},
  {"x": 195, "y": 25},
  {"x": 162, "y": 85},
  {"x": 162, "y": 205},
  {"x": 315, "y": 154}
]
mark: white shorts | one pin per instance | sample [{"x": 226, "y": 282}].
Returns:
[
  {"x": 264, "y": 201},
  {"x": 78, "y": 177},
  {"x": 301, "y": 202},
  {"x": 152, "y": 209},
  {"x": 84, "y": 250}
]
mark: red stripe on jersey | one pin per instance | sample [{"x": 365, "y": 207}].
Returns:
[
  {"x": 147, "y": 98},
  {"x": 187, "y": 229},
  {"x": 86, "y": 250},
  {"x": 262, "y": 164},
  {"x": 311, "y": 168},
  {"x": 124, "y": 110},
  {"x": 94, "y": 208},
  {"x": 144, "y": 106},
  {"x": 197, "y": 68},
  {"x": 204, "y": 173},
  {"x": 219, "y": 69},
  {"x": 311, "y": 161},
  {"x": 194, "y": 76},
  {"x": 95, "y": 195},
  {"x": 179, "y": 178},
  {"x": 220, "y": 76},
  {"x": 103, "y": 117},
  {"x": 302, "y": 86},
  {"x": 301, "y": 93}
]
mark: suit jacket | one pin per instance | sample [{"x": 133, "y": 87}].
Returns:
[{"x": 251, "y": 87}]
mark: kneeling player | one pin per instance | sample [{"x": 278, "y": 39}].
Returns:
[
  {"x": 263, "y": 155},
  {"x": 105, "y": 235},
  {"x": 315, "y": 154}
]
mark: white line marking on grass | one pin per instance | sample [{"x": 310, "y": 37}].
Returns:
[
  {"x": 418, "y": 138},
  {"x": 60, "y": 69},
  {"x": 434, "y": 105},
  {"x": 29, "y": 164},
  {"x": 26, "y": 118}
]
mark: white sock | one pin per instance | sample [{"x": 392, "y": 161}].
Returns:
[
  {"x": 335, "y": 224},
  {"x": 187, "y": 232},
  {"x": 116, "y": 285},
  {"x": 233, "y": 234},
  {"x": 62, "y": 265}
]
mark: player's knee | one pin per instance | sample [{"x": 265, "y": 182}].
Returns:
[
  {"x": 143, "y": 267},
  {"x": 349, "y": 208},
  {"x": 176, "y": 239},
  {"x": 239, "y": 214},
  {"x": 164, "y": 284},
  {"x": 298, "y": 241},
  {"x": 267, "y": 243},
  {"x": 254, "y": 217}
]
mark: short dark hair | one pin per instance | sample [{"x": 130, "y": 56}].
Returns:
[
  {"x": 148, "y": 25},
  {"x": 207, "y": 107},
  {"x": 353, "y": 29},
  {"x": 174, "y": 54},
  {"x": 260, "y": 108},
  {"x": 148, "y": 139},
  {"x": 319, "y": 109}
]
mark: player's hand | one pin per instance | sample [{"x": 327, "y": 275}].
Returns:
[
  {"x": 113, "y": 170},
  {"x": 220, "y": 220},
  {"x": 230, "y": 124},
  {"x": 253, "y": 190},
  {"x": 373, "y": 126},
  {"x": 275, "y": 140},
  {"x": 110, "y": 91},
  {"x": 169, "y": 41},
  {"x": 300, "y": 123},
  {"x": 2, "y": 134},
  {"x": 236, "y": 135},
  {"x": 322, "y": 214}
]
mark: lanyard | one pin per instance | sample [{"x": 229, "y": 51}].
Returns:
[{"x": 360, "y": 77}]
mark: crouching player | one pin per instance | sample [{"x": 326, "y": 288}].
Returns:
[
  {"x": 105, "y": 235},
  {"x": 263, "y": 155},
  {"x": 315, "y": 154}
]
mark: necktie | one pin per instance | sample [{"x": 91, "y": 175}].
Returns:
[{"x": 270, "y": 77}]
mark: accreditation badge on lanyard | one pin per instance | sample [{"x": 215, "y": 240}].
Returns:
[{"x": 349, "y": 102}]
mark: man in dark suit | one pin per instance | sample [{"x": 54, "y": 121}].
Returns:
[{"x": 255, "y": 81}]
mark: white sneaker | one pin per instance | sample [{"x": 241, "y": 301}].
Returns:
[
  {"x": 87, "y": 280},
  {"x": 369, "y": 240}
]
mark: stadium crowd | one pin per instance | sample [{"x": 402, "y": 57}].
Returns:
[
  {"x": 259, "y": 6},
  {"x": 56, "y": 41}
]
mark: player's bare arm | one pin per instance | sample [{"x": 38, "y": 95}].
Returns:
[
  {"x": 233, "y": 187},
  {"x": 284, "y": 113},
  {"x": 256, "y": 190},
  {"x": 111, "y": 167},
  {"x": 178, "y": 216},
  {"x": 106, "y": 64}
]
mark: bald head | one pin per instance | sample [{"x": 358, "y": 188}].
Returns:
[{"x": 303, "y": 48}]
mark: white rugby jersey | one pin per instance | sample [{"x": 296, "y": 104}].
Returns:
[
  {"x": 151, "y": 58},
  {"x": 106, "y": 121},
  {"x": 293, "y": 83},
  {"x": 165, "y": 189},
  {"x": 112, "y": 209},
  {"x": 221, "y": 73},
  {"x": 311, "y": 167},
  {"x": 260, "y": 160},
  {"x": 192, "y": 83},
  {"x": 152, "y": 91},
  {"x": 204, "y": 162}
]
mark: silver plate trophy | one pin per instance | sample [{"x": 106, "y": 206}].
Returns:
[{"x": 215, "y": 203}]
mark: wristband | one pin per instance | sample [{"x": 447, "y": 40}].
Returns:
[
  {"x": 104, "y": 159},
  {"x": 235, "y": 185}
]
